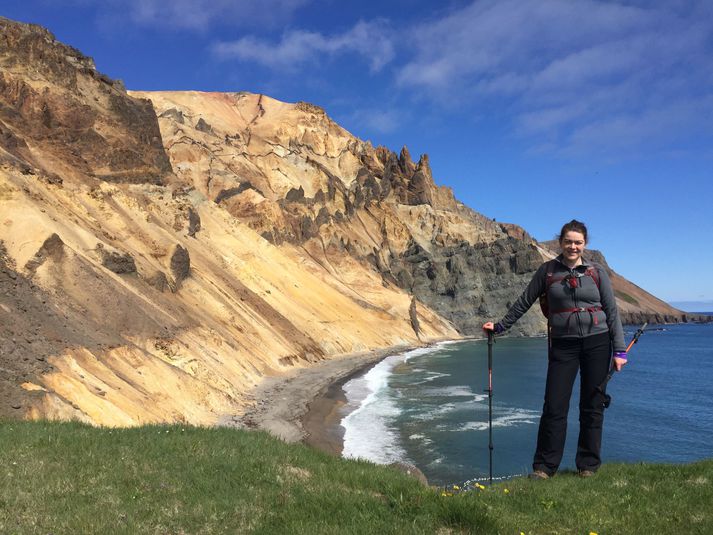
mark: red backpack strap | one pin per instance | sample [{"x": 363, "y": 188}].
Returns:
[
  {"x": 549, "y": 281},
  {"x": 550, "y": 278},
  {"x": 593, "y": 272}
]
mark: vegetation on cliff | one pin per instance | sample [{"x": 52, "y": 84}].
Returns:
[{"x": 73, "y": 478}]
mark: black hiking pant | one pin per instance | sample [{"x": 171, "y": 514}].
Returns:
[{"x": 591, "y": 356}]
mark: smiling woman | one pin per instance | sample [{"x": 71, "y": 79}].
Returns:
[{"x": 583, "y": 325}]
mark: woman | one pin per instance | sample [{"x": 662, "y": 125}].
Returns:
[{"x": 584, "y": 325}]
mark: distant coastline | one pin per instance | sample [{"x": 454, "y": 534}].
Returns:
[{"x": 692, "y": 307}]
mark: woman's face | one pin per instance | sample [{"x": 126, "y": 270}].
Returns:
[{"x": 572, "y": 246}]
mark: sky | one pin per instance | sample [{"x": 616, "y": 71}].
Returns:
[{"x": 533, "y": 111}]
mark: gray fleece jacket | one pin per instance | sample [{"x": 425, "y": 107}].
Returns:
[{"x": 578, "y": 308}]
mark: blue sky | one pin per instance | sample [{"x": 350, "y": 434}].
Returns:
[{"x": 534, "y": 112}]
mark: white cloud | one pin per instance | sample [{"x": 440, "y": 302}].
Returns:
[
  {"x": 651, "y": 127},
  {"x": 488, "y": 38},
  {"x": 297, "y": 47},
  {"x": 572, "y": 76},
  {"x": 567, "y": 76}
]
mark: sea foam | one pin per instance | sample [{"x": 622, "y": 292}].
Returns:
[
  {"x": 511, "y": 418},
  {"x": 368, "y": 430}
]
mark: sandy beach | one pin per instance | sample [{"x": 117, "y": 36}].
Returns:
[{"x": 303, "y": 405}]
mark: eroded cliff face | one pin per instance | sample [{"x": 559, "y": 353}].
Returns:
[
  {"x": 129, "y": 298},
  {"x": 310, "y": 187}
]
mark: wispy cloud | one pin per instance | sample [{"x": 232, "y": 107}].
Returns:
[
  {"x": 378, "y": 120},
  {"x": 198, "y": 15},
  {"x": 297, "y": 47},
  {"x": 491, "y": 38},
  {"x": 573, "y": 76}
]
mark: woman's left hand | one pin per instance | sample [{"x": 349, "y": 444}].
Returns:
[
  {"x": 619, "y": 360},
  {"x": 619, "y": 363}
]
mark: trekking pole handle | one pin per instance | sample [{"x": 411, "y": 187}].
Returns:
[{"x": 638, "y": 333}]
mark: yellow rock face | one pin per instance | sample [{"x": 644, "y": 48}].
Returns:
[
  {"x": 221, "y": 142},
  {"x": 131, "y": 344}
]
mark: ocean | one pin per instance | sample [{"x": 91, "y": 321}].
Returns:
[{"x": 428, "y": 407}]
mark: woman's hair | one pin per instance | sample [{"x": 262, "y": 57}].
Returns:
[{"x": 574, "y": 226}]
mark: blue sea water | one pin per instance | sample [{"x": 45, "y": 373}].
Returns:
[{"x": 428, "y": 407}]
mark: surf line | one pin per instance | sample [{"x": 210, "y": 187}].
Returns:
[{"x": 367, "y": 430}]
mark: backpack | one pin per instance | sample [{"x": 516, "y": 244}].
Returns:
[{"x": 551, "y": 279}]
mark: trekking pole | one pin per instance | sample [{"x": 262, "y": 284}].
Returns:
[
  {"x": 612, "y": 369},
  {"x": 490, "y": 401}
]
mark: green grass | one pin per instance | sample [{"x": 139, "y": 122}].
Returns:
[
  {"x": 625, "y": 297},
  {"x": 70, "y": 478}
]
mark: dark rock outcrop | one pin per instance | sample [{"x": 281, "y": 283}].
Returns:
[
  {"x": 174, "y": 114},
  {"x": 470, "y": 284},
  {"x": 53, "y": 247},
  {"x": 203, "y": 126},
  {"x": 295, "y": 195},
  {"x": 226, "y": 194},
  {"x": 420, "y": 186},
  {"x": 194, "y": 222},
  {"x": 180, "y": 264},
  {"x": 117, "y": 262},
  {"x": 158, "y": 280},
  {"x": 413, "y": 317}
]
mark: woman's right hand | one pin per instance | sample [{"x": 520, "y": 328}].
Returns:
[{"x": 495, "y": 328}]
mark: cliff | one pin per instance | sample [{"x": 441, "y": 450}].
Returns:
[
  {"x": 128, "y": 298},
  {"x": 311, "y": 188}
]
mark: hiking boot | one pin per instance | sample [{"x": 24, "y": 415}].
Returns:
[
  {"x": 538, "y": 474},
  {"x": 586, "y": 473}
]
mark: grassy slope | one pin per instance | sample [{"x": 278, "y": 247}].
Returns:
[{"x": 70, "y": 478}]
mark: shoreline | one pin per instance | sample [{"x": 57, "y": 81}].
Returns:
[
  {"x": 321, "y": 422},
  {"x": 302, "y": 405}
]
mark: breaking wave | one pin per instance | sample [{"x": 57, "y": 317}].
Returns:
[{"x": 369, "y": 432}]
